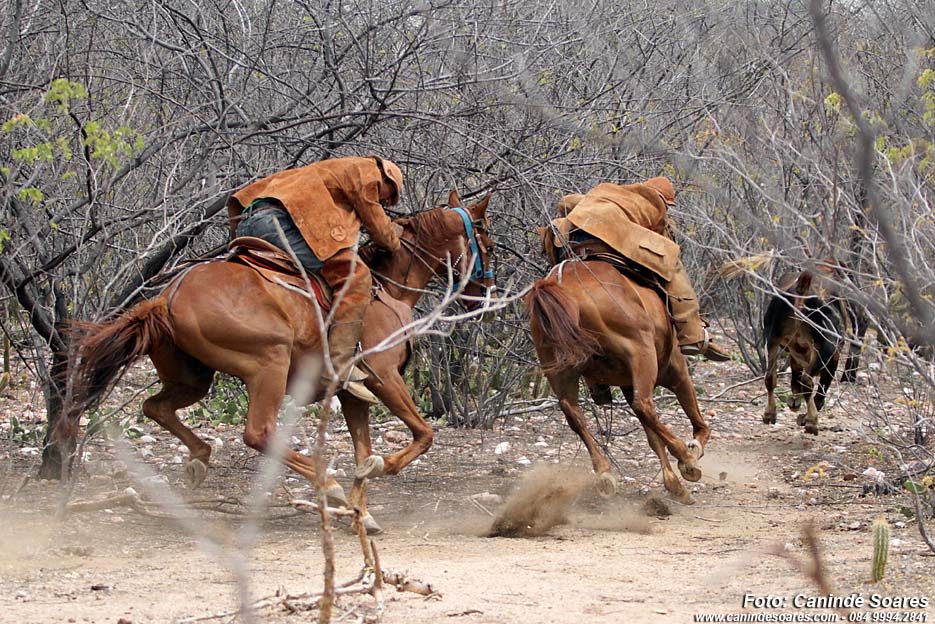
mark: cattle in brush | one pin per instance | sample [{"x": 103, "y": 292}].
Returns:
[{"x": 809, "y": 321}]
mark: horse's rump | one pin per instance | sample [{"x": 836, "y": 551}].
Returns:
[{"x": 555, "y": 319}]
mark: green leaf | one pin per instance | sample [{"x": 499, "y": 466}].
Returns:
[
  {"x": 62, "y": 91},
  {"x": 32, "y": 194}
]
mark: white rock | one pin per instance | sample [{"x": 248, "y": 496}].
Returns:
[
  {"x": 486, "y": 498},
  {"x": 146, "y": 452},
  {"x": 523, "y": 461},
  {"x": 503, "y": 447},
  {"x": 28, "y": 451},
  {"x": 155, "y": 481},
  {"x": 147, "y": 439},
  {"x": 176, "y": 460},
  {"x": 217, "y": 443},
  {"x": 541, "y": 444}
]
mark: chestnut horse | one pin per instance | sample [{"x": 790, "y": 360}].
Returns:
[
  {"x": 223, "y": 316},
  {"x": 589, "y": 319}
]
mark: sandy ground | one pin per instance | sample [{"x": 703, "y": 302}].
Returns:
[{"x": 610, "y": 563}]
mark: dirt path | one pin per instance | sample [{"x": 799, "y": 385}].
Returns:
[{"x": 610, "y": 564}]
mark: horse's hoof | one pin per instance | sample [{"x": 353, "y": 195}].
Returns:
[
  {"x": 800, "y": 420},
  {"x": 769, "y": 418},
  {"x": 195, "y": 473},
  {"x": 606, "y": 485},
  {"x": 370, "y": 525},
  {"x": 683, "y": 496},
  {"x": 795, "y": 405},
  {"x": 811, "y": 428},
  {"x": 335, "y": 497},
  {"x": 690, "y": 472},
  {"x": 695, "y": 448},
  {"x": 370, "y": 468}
]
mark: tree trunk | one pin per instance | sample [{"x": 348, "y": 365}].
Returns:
[{"x": 59, "y": 441}]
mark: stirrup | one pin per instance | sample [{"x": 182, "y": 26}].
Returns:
[
  {"x": 696, "y": 348},
  {"x": 360, "y": 391},
  {"x": 353, "y": 384}
]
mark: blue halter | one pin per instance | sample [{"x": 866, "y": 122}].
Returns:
[{"x": 479, "y": 273}]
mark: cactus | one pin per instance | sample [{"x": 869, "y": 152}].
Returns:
[{"x": 881, "y": 548}]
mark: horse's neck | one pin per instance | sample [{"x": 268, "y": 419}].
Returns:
[{"x": 406, "y": 277}]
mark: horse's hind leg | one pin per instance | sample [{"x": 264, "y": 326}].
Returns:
[
  {"x": 565, "y": 386},
  {"x": 266, "y": 387},
  {"x": 185, "y": 380}
]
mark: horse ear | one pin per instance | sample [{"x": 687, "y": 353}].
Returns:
[
  {"x": 453, "y": 200},
  {"x": 480, "y": 208}
]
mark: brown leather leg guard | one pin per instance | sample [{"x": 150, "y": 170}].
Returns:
[
  {"x": 690, "y": 329},
  {"x": 350, "y": 281},
  {"x": 683, "y": 303}
]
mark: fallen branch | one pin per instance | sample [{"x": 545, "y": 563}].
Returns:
[
  {"x": 405, "y": 584},
  {"x": 365, "y": 583},
  {"x": 312, "y": 507},
  {"x": 128, "y": 498}
]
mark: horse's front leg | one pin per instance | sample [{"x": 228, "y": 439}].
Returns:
[
  {"x": 679, "y": 381},
  {"x": 357, "y": 415},
  {"x": 395, "y": 395}
]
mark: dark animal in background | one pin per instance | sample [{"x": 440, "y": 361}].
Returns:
[{"x": 809, "y": 321}]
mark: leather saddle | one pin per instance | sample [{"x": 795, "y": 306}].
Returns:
[
  {"x": 277, "y": 266},
  {"x": 599, "y": 251}
]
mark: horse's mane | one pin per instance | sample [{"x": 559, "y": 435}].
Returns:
[{"x": 429, "y": 227}]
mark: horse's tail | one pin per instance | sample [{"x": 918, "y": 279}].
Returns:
[
  {"x": 106, "y": 349},
  {"x": 555, "y": 320},
  {"x": 747, "y": 264}
]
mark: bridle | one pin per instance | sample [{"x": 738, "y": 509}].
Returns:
[
  {"x": 476, "y": 247},
  {"x": 474, "y": 244}
]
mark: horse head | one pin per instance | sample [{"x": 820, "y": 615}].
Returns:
[{"x": 448, "y": 242}]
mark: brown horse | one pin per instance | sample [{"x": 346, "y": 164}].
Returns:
[
  {"x": 223, "y": 316},
  {"x": 589, "y": 319}
]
